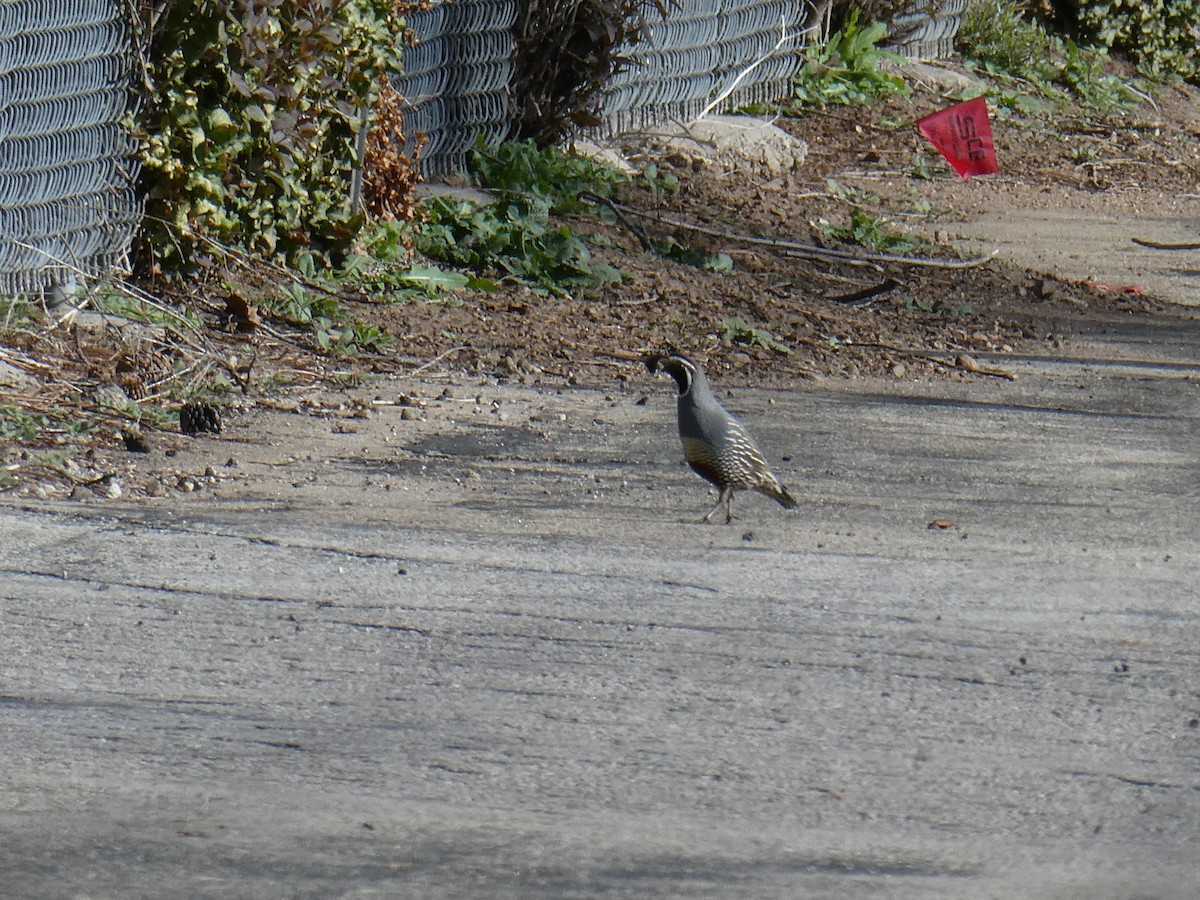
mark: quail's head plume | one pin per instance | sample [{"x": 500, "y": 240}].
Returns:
[{"x": 715, "y": 444}]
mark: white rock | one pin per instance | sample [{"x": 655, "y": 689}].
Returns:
[
  {"x": 609, "y": 156},
  {"x": 723, "y": 145}
]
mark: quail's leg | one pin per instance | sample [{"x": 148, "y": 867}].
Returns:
[
  {"x": 726, "y": 496},
  {"x": 729, "y": 506}
]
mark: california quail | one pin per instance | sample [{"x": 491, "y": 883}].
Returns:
[{"x": 716, "y": 445}]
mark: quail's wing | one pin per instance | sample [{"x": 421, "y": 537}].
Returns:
[{"x": 742, "y": 455}]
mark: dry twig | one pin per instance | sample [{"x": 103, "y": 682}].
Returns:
[
  {"x": 1160, "y": 245},
  {"x": 802, "y": 250}
]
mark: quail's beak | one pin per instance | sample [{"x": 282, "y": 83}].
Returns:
[{"x": 653, "y": 362}]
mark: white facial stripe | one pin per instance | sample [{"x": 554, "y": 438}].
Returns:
[{"x": 689, "y": 370}]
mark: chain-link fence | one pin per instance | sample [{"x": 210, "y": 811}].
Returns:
[
  {"x": 68, "y": 201},
  {"x": 457, "y": 79},
  {"x": 926, "y": 29},
  {"x": 747, "y": 50}
]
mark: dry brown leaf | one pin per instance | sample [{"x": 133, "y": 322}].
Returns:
[{"x": 240, "y": 316}]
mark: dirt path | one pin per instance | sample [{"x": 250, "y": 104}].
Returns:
[
  {"x": 478, "y": 646},
  {"x": 1094, "y": 246},
  {"x": 1079, "y": 235}
]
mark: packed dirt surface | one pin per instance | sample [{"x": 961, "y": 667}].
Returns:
[
  {"x": 1060, "y": 218},
  {"x": 1055, "y": 188}
]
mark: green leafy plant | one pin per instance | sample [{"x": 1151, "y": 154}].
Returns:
[
  {"x": 411, "y": 283},
  {"x": 1084, "y": 74},
  {"x": 721, "y": 263},
  {"x": 1081, "y": 153},
  {"x": 18, "y": 425},
  {"x": 386, "y": 240},
  {"x": 248, "y": 136},
  {"x": 996, "y": 36},
  {"x": 383, "y": 270},
  {"x": 549, "y": 174},
  {"x": 659, "y": 182},
  {"x": 925, "y": 168},
  {"x": 16, "y": 312},
  {"x": 1160, "y": 35},
  {"x": 736, "y": 331},
  {"x": 1031, "y": 67},
  {"x": 431, "y": 280},
  {"x": 119, "y": 300},
  {"x": 356, "y": 337},
  {"x": 302, "y": 305},
  {"x": 849, "y": 192},
  {"x": 869, "y": 231},
  {"x": 26, "y": 427},
  {"x": 845, "y": 70},
  {"x": 938, "y": 307},
  {"x": 306, "y": 304},
  {"x": 513, "y": 237}
]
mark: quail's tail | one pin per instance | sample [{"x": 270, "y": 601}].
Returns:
[{"x": 778, "y": 492}]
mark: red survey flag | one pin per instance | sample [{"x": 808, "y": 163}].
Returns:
[{"x": 963, "y": 135}]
